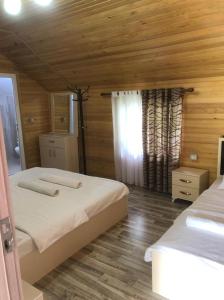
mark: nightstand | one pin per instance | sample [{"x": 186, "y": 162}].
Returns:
[{"x": 188, "y": 183}]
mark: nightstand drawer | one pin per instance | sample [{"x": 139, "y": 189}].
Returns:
[
  {"x": 51, "y": 141},
  {"x": 181, "y": 192},
  {"x": 185, "y": 180},
  {"x": 188, "y": 183}
]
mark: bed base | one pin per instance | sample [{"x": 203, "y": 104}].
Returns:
[
  {"x": 34, "y": 265},
  {"x": 178, "y": 275}
]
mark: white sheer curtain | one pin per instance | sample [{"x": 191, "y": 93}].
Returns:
[{"x": 128, "y": 147}]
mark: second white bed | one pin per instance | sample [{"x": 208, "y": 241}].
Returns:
[{"x": 188, "y": 263}]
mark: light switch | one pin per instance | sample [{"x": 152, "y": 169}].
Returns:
[{"x": 193, "y": 156}]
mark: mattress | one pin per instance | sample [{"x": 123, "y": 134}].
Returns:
[{"x": 46, "y": 219}]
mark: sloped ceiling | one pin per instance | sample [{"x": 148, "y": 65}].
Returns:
[{"x": 92, "y": 42}]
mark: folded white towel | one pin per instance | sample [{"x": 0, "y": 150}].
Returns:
[
  {"x": 39, "y": 188},
  {"x": 206, "y": 223},
  {"x": 65, "y": 181}
]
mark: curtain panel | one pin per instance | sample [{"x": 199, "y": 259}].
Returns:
[
  {"x": 161, "y": 125},
  {"x": 128, "y": 142}
]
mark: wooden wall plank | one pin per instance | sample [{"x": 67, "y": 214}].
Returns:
[
  {"x": 120, "y": 44},
  {"x": 202, "y": 125},
  {"x": 115, "y": 42}
]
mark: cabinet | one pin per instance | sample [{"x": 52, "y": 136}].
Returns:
[
  {"x": 59, "y": 151},
  {"x": 188, "y": 183}
]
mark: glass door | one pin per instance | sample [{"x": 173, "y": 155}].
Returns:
[{"x": 10, "y": 114}]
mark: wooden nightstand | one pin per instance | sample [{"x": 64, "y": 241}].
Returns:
[{"x": 188, "y": 183}]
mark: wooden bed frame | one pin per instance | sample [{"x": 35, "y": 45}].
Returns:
[{"x": 34, "y": 265}]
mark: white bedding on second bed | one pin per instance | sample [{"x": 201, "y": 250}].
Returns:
[
  {"x": 46, "y": 219},
  {"x": 191, "y": 241}
]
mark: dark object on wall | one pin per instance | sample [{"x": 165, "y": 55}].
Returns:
[{"x": 82, "y": 96}]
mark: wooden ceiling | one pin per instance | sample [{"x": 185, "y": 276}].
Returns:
[{"x": 93, "y": 42}]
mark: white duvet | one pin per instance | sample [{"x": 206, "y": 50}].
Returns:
[
  {"x": 46, "y": 219},
  {"x": 194, "y": 241}
]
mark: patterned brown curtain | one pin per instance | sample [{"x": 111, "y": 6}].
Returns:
[{"x": 162, "y": 121}]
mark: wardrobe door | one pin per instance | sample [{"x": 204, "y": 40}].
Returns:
[
  {"x": 59, "y": 158},
  {"x": 47, "y": 157}
]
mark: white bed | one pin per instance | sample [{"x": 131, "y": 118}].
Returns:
[
  {"x": 188, "y": 263},
  {"x": 63, "y": 224},
  {"x": 25, "y": 243}
]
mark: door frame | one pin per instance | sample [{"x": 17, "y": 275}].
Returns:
[
  {"x": 18, "y": 116},
  {"x": 9, "y": 260}
]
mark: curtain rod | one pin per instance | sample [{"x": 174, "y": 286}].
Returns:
[{"x": 189, "y": 90}]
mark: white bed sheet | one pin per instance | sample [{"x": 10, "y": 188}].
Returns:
[
  {"x": 206, "y": 246},
  {"x": 78, "y": 205},
  {"x": 25, "y": 244},
  {"x": 95, "y": 194}
]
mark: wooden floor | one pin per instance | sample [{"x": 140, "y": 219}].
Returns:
[{"x": 112, "y": 267}]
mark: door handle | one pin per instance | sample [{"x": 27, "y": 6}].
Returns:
[
  {"x": 7, "y": 235},
  {"x": 185, "y": 193}
]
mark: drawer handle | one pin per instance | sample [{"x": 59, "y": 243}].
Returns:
[
  {"x": 185, "y": 180},
  {"x": 51, "y": 141},
  {"x": 185, "y": 193}
]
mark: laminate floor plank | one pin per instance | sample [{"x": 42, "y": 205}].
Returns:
[{"x": 112, "y": 267}]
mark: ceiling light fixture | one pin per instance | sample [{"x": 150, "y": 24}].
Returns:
[
  {"x": 12, "y": 7},
  {"x": 43, "y": 2}
]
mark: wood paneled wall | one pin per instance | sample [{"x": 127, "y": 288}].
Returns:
[
  {"x": 96, "y": 42},
  {"x": 202, "y": 126},
  {"x": 34, "y": 103}
]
